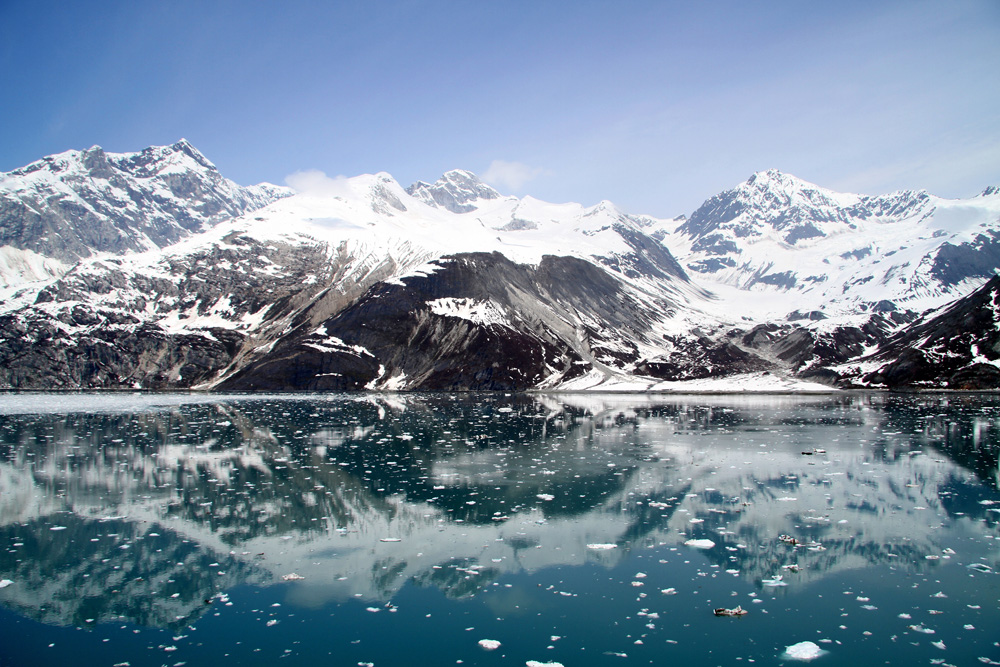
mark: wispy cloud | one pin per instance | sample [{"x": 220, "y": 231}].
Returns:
[
  {"x": 511, "y": 176},
  {"x": 317, "y": 183}
]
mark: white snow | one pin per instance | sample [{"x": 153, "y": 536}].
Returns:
[{"x": 484, "y": 313}]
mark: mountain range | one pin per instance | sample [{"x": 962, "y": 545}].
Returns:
[{"x": 151, "y": 270}]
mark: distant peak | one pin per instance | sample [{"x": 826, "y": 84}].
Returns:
[
  {"x": 775, "y": 177},
  {"x": 186, "y": 147},
  {"x": 454, "y": 191},
  {"x": 990, "y": 191},
  {"x": 459, "y": 175}
]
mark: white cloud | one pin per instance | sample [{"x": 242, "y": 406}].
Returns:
[
  {"x": 315, "y": 182},
  {"x": 510, "y": 175}
]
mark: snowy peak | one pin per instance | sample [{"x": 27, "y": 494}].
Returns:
[
  {"x": 775, "y": 232},
  {"x": 456, "y": 191},
  {"x": 775, "y": 200},
  {"x": 71, "y": 205}
]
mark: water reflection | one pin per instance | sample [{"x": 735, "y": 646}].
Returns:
[{"x": 145, "y": 508}]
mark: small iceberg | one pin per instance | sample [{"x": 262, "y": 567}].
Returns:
[
  {"x": 735, "y": 611},
  {"x": 4, "y": 583},
  {"x": 700, "y": 544},
  {"x": 803, "y": 651},
  {"x": 602, "y": 547},
  {"x": 292, "y": 577},
  {"x": 489, "y": 644}
]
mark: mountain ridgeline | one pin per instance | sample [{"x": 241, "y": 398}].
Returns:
[{"x": 151, "y": 270}]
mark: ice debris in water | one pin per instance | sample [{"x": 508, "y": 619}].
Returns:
[
  {"x": 4, "y": 583},
  {"x": 292, "y": 577},
  {"x": 489, "y": 644},
  {"x": 602, "y": 547},
  {"x": 545, "y": 496},
  {"x": 536, "y": 663},
  {"x": 700, "y": 544},
  {"x": 803, "y": 651},
  {"x": 735, "y": 611}
]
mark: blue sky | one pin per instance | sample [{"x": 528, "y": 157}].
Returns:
[{"x": 653, "y": 105}]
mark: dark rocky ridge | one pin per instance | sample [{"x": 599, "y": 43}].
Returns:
[{"x": 957, "y": 349}]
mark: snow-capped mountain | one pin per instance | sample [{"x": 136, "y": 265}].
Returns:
[
  {"x": 458, "y": 191},
  {"x": 835, "y": 252},
  {"x": 452, "y": 285},
  {"x": 65, "y": 207}
]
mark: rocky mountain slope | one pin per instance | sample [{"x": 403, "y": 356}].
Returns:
[{"x": 197, "y": 282}]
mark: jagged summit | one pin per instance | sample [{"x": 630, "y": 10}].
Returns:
[
  {"x": 454, "y": 191},
  {"x": 73, "y": 204}
]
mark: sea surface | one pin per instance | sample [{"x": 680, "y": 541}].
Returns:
[{"x": 498, "y": 529}]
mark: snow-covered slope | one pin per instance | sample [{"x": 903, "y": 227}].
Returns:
[
  {"x": 72, "y": 205},
  {"x": 826, "y": 251}
]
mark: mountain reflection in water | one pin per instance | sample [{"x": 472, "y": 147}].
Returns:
[{"x": 146, "y": 508}]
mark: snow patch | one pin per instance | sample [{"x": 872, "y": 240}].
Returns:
[{"x": 482, "y": 312}]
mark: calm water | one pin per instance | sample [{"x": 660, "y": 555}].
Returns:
[{"x": 498, "y": 530}]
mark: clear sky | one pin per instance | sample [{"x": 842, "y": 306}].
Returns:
[{"x": 653, "y": 105}]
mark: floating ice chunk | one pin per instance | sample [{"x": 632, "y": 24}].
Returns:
[
  {"x": 700, "y": 544},
  {"x": 536, "y": 663},
  {"x": 803, "y": 651},
  {"x": 669, "y": 591},
  {"x": 602, "y": 547},
  {"x": 735, "y": 611},
  {"x": 545, "y": 496},
  {"x": 291, "y": 576},
  {"x": 921, "y": 628},
  {"x": 390, "y": 539},
  {"x": 489, "y": 644},
  {"x": 58, "y": 528},
  {"x": 4, "y": 583},
  {"x": 938, "y": 644}
]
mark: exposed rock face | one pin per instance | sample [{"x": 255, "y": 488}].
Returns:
[
  {"x": 957, "y": 348},
  {"x": 480, "y": 322}
]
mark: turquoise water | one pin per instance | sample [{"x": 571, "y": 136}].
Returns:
[{"x": 492, "y": 529}]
